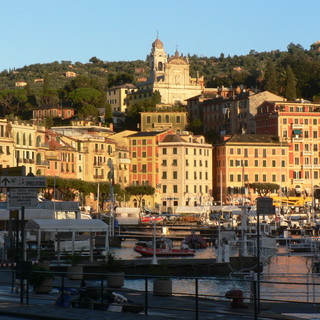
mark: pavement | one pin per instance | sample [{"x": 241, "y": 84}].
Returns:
[{"x": 42, "y": 306}]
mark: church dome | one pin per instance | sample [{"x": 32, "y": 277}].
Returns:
[{"x": 157, "y": 44}]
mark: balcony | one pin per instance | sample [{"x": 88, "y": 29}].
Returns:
[
  {"x": 307, "y": 153},
  {"x": 100, "y": 176},
  {"x": 297, "y": 125}
]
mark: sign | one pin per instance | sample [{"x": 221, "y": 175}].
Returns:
[
  {"x": 13, "y": 171},
  {"x": 265, "y": 206},
  {"x": 23, "y": 197},
  {"x": 22, "y": 182}
]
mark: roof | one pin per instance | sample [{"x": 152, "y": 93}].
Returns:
[
  {"x": 253, "y": 138},
  {"x": 54, "y": 225},
  {"x": 146, "y": 134},
  {"x": 173, "y": 138}
]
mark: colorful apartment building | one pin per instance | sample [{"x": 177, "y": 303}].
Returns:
[
  {"x": 52, "y": 111},
  {"x": 185, "y": 171},
  {"x": 144, "y": 151},
  {"x": 296, "y": 123},
  {"x": 248, "y": 158}
]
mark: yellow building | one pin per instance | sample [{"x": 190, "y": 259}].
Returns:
[
  {"x": 185, "y": 171},
  {"x": 164, "y": 120},
  {"x": 117, "y": 96}
]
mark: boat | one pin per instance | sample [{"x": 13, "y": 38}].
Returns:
[
  {"x": 149, "y": 252},
  {"x": 195, "y": 242},
  {"x": 164, "y": 247},
  {"x": 151, "y": 219},
  {"x": 305, "y": 245}
]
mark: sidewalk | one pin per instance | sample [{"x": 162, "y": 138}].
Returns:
[{"x": 161, "y": 308}]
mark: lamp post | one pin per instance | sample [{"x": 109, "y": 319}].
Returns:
[{"x": 154, "y": 256}]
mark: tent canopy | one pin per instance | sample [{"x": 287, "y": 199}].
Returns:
[{"x": 67, "y": 225}]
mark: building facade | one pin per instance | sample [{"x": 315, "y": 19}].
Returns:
[
  {"x": 296, "y": 123},
  {"x": 246, "y": 158}
]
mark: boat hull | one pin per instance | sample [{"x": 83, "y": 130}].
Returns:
[{"x": 148, "y": 252}]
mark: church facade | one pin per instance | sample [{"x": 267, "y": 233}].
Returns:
[{"x": 170, "y": 76}]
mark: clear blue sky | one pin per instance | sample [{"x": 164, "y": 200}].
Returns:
[{"x": 43, "y": 31}]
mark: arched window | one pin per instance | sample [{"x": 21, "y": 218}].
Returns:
[
  {"x": 109, "y": 149},
  {"x": 160, "y": 66},
  {"x": 30, "y": 139},
  {"x": 38, "y": 143},
  {"x": 17, "y": 138},
  {"x": 24, "y": 139},
  {"x": 159, "y": 119},
  {"x": 167, "y": 118},
  {"x": 38, "y": 158}
]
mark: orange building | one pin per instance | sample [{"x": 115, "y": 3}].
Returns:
[
  {"x": 144, "y": 151},
  {"x": 297, "y": 123},
  {"x": 248, "y": 158}
]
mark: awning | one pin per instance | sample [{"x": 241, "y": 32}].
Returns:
[{"x": 297, "y": 131}]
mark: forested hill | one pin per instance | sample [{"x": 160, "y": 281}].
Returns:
[{"x": 294, "y": 73}]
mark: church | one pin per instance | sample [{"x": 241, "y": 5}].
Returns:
[{"x": 170, "y": 76}]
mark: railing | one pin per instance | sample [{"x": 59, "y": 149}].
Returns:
[{"x": 193, "y": 296}]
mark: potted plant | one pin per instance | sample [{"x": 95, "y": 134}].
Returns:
[
  {"x": 41, "y": 278},
  {"x": 113, "y": 266},
  {"x": 162, "y": 286},
  {"x": 75, "y": 270}
]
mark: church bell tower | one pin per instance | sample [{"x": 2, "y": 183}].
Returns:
[{"x": 158, "y": 60}]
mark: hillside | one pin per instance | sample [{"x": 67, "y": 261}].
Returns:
[{"x": 294, "y": 73}]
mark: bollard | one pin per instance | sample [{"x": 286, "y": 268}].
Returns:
[{"x": 237, "y": 298}]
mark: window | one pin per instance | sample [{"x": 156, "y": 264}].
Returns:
[
  {"x": 306, "y": 134},
  {"x": 264, "y": 178},
  {"x": 283, "y": 164},
  {"x": 186, "y": 150},
  {"x": 164, "y": 162},
  {"x": 175, "y": 151},
  {"x": 231, "y": 150},
  {"x": 231, "y": 178},
  {"x": 164, "y": 175},
  {"x": 134, "y": 154},
  {"x": 144, "y": 154},
  {"x": 195, "y": 175},
  {"x": 144, "y": 142},
  {"x": 315, "y": 122},
  {"x": 164, "y": 189},
  {"x": 296, "y": 161},
  {"x": 8, "y": 150},
  {"x": 174, "y": 162},
  {"x": 296, "y": 147},
  {"x": 159, "y": 119},
  {"x": 187, "y": 175},
  {"x": 164, "y": 151},
  {"x": 178, "y": 119},
  {"x": 175, "y": 188},
  {"x": 315, "y": 134},
  {"x": 256, "y": 153},
  {"x": 134, "y": 168},
  {"x": 148, "y": 119},
  {"x": 274, "y": 178},
  {"x": 264, "y": 153},
  {"x": 316, "y": 175},
  {"x": 238, "y": 151},
  {"x": 245, "y": 153},
  {"x": 144, "y": 168},
  {"x": 256, "y": 163},
  {"x": 264, "y": 163},
  {"x": 256, "y": 178},
  {"x": 175, "y": 175}
]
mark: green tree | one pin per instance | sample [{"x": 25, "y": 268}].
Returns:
[
  {"x": 290, "y": 85},
  {"x": 108, "y": 113},
  {"x": 264, "y": 188},
  {"x": 271, "y": 78},
  {"x": 139, "y": 192}
]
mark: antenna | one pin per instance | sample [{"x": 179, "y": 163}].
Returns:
[{"x": 157, "y": 34}]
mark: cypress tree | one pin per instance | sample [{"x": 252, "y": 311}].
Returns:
[{"x": 290, "y": 85}]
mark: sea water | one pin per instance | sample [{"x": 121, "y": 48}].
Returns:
[{"x": 286, "y": 276}]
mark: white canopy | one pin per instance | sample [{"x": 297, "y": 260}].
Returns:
[
  {"x": 230, "y": 209},
  {"x": 65, "y": 225},
  {"x": 191, "y": 210}
]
